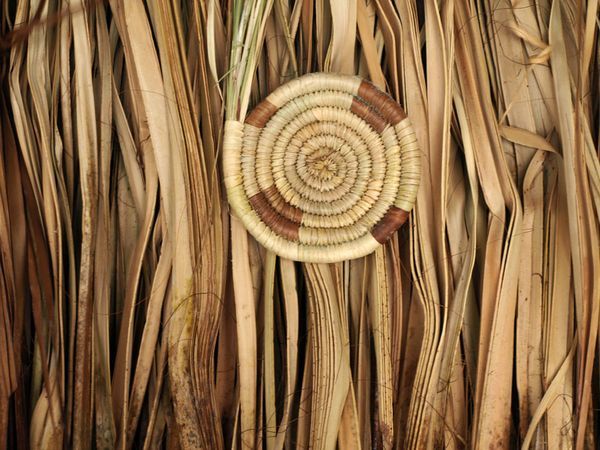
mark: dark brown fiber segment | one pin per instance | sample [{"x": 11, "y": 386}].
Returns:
[
  {"x": 391, "y": 221},
  {"x": 391, "y": 111},
  {"x": 276, "y": 222},
  {"x": 261, "y": 114},
  {"x": 368, "y": 114},
  {"x": 279, "y": 204}
]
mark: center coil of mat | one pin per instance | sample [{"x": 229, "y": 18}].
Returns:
[{"x": 325, "y": 169}]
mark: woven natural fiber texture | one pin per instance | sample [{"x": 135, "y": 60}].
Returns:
[{"x": 325, "y": 169}]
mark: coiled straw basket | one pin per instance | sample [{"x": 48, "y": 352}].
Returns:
[{"x": 325, "y": 169}]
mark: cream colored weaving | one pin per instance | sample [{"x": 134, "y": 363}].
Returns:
[{"x": 325, "y": 169}]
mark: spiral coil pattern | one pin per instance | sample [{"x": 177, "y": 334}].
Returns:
[{"x": 325, "y": 169}]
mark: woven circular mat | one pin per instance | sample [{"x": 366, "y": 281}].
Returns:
[{"x": 325, "y": 169}]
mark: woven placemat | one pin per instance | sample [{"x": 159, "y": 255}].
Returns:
[{"x": 325, "y": 169}]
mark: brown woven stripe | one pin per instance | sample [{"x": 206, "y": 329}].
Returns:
[
  {"x": 391, "y": 221},
  {"x": 388, "y": 108},
  {"x": 261, "y": 114},
  {"x": 369, "y": 115},
  {"x": 279, "y": 204},
  {"x": 279, "y": 224}
]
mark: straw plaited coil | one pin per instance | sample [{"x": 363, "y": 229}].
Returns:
[{"x": 325, "y": 169}]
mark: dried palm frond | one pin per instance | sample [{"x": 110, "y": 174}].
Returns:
[{"x": 136, "y": 311}]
